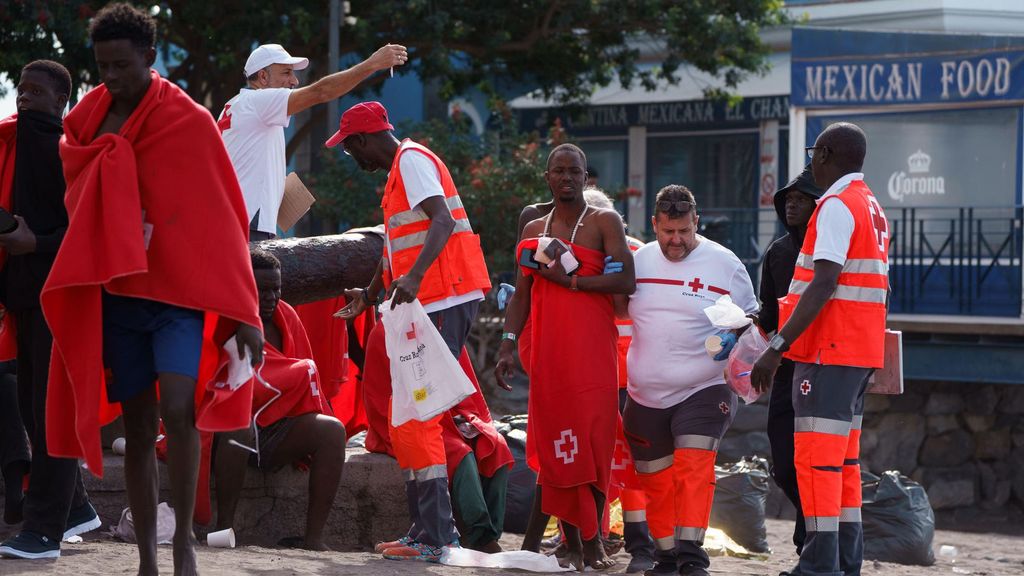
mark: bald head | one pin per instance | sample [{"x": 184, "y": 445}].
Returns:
[
  {"x": 839, "y": 150},
  {"x": 848, "y": 143}
]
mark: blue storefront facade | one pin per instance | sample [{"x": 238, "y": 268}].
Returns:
[{"x": 944, "y": 117}]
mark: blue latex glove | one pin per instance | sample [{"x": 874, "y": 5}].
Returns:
[
  {"x": 611, "y": 267},
  {"x": 728, "y": 341},
  {"x": 505, "y": 291}
]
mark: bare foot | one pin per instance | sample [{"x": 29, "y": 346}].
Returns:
[
  {"x": 185, "y": 557},
  {"x": 148, "y": 570},
  {"x": 572, "y": 559},
  {"x": 558, "y": 551},
  {"x": 595, "y": 556}
]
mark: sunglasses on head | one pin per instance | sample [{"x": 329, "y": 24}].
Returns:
[{"x": 681, "y": 206}]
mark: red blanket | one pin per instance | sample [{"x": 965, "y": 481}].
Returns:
[
  {"x": 489, "y": 447},
  {"x": 290, "y": 370},
  {"x": 167, "y": 168},
  {"x": 329, "y": 338},
  {"x": 573, "y": 393},
  {"x": 8, "y": 139}
]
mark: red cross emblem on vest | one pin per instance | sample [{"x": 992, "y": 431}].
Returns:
[
  {"x": 879, "y": 222},
  {"x": 411, "y": 334},
  {"x": 695, "y": 284},
  {"x": 723, "y": 407},
  {"x": 805, "y": 387}
]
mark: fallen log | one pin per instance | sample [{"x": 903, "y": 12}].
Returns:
[{"x": 321, "y": 267}]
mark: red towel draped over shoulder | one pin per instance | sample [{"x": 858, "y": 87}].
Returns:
[
  {"x": 166, "y": 167},
  {"x": 573, "y": 392}
]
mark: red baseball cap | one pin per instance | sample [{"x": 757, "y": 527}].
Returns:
[{"x": 363, "y": 118}]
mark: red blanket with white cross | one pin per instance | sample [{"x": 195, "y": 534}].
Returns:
[{"x": 573, "y": 405}]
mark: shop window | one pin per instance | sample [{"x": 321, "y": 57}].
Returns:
[{"x": 720, "y": 169}]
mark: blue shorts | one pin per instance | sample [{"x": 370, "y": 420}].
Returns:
[{"x": 142, "y": 338}]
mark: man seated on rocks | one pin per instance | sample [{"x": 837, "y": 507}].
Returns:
[{"x": 291, "y": 416}]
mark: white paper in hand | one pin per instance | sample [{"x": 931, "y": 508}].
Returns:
[
  {"x": 726, "y": 315},
  {"x": 239, "y": 369}
]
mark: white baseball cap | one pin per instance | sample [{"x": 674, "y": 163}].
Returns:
[{"x": 268, "y": 54}]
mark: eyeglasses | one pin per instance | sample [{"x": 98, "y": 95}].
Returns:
[
  {"x": 681, "y": 206},
  {"x": 810, "y": 150}
]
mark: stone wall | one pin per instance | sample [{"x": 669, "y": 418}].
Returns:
[{"x": 963, "y": 442}]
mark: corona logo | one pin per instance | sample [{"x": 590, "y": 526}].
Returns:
[
  {"x": 919, "y": 162},
  {"x": 918, "y": 182}
]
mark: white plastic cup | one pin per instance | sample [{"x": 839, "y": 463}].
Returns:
[
  {"x": 948, "y": 553},
  {"x": 221, "y": 539},
  {"x": 118, "y": 446}
]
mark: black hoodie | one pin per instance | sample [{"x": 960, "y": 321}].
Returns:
[
  {"x": 780, "y": 259},
  {"x": 38, "y": 196}
]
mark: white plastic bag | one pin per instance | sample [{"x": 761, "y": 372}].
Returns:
[
  {"x": 514, "y": 560},
  {"x": 426, "y": 379},
  {"x": 125, "y": 529},
  {"x": 726, "y": 315},
  {"x": 748, "y": 349}
]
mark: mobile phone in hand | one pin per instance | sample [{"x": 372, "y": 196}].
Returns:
[
  {"x": 7, "y": 222},
  {"x": 526, "y": 259}
]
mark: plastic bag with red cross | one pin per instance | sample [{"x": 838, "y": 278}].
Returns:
[
  {"x": 426, "y": 379},
  {"x": 748, "y": 348}
]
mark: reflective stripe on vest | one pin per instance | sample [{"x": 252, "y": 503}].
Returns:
[
  {"x": 417, "y": 239},
  {"x": 625, "y": 330},
  {"x": 419, "y": 215},
  {"x": 855, "y": 293}
]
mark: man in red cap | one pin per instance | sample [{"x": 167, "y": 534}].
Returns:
[
  {"x": 253, "y": 122},
  {"x": 430, "y": 254}
]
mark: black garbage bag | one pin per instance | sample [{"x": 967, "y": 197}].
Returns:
[
  {"x": 522, "y": 481},
  {"x": 740, "y": 496},
  {"x": 899, "y": 523}
]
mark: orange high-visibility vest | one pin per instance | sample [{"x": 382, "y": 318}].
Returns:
[
  {"x": 460, "y": 268},
  {"x": 850, "y": 329}
]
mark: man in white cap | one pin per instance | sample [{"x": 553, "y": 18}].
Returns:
[{"x": 253, "y": 122}]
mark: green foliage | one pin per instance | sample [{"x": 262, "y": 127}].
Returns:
[
  {"x": 567, "y": 48},
  {"x": 496, "y": 176},
  {"x": 35, "y": 30}
]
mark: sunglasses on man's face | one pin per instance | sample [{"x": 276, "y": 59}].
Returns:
[{"x": 681, "y": 206}]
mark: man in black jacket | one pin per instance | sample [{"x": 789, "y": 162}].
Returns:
[
  {"x": 794, "y": 204},
  {"x": 56, "y": 505}
]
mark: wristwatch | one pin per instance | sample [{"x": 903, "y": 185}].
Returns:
[{"x": 778, "y": 343}]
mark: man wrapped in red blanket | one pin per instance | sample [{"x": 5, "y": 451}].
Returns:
[
  {"x": 573, "y": 356},
  {"x": 291, "y": 414},
  {"x": 153, "y": 272}
]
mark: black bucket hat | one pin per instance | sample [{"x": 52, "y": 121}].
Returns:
[{"x": 804, "y": 182}]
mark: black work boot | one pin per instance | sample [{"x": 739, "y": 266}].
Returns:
[{"x": 640, "y": 547}]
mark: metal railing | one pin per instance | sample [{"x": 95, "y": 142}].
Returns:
[{"x": 950, "y": 261}]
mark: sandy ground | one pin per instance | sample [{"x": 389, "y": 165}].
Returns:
[{"x": 979, "y": 554}]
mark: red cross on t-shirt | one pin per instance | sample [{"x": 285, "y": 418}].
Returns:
[
  {"x": 225, "y": 120},
  {"x": 411, "y": 334},
  {"x": 695, "y": 284}
]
